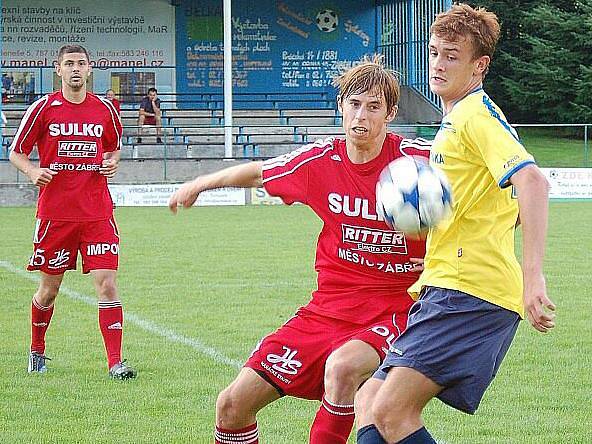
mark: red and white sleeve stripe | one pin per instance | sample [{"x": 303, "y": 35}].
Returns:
[{"x": 28, "y": 131}]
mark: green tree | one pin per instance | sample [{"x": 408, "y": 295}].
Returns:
[{"x": 542, "y": 69}]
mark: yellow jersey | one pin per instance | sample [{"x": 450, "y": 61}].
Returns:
[{"x": 473, "y": 251}]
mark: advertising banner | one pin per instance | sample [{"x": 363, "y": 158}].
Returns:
[
  {"x": 569, "y": 183},
  {"x": 157, "y": 195}
]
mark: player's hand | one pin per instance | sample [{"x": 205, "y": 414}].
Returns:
[
  {"x": 538, "y": 307},
  {"x": 109, "y": 167},
  {"x": 41, "y": 176},
  {"x": 417, "y": 264},
  {"x": 185, "y": 196}
]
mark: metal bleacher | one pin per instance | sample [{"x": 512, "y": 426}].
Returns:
[{"x": 199, "y": 133}]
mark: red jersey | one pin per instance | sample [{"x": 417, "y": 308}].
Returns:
[
  {"x": 363, "y": 266},
  {"x": 71, "y": 139}
]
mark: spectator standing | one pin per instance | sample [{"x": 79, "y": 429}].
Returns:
[{"x": 110, "y": 95}]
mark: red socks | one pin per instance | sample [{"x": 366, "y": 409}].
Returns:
[
  {"x": 40, "y": 317},
  {"x": 332, "y": 424},
  {"x": 111, "y": 325},
  {"x": 247, "y": 435}
]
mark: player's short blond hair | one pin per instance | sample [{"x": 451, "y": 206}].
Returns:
[
  {"x": 478, "y": 24},
  {"x": 370, "y": 75}
]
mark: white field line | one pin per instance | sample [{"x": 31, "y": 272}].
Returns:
[{"x": 148, "y": 326}]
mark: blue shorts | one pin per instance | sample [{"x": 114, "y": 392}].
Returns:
[{"x": 456, "y": 340}]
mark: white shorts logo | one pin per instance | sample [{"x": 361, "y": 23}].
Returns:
[{"x": 285, "y": 363}]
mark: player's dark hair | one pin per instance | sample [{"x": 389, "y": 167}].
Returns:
[
  {"x": 478, "y": 24},
  {"x": 370, "y": 75},
  {"x": 71, "y": 49},
  {"x": 152, "y": 90}
]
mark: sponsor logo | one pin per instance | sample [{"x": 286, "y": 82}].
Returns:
[
  {"x": 286, "y": 362},
  {"x": 115, "y": 326},
  {"x": 60, "y": 260},
  {"x": 336, "y": 157},
  {"x": 389, "y": 337},
  {"x": 437, "y": 158},
  {"x": 353, "y": 207},
  {"x": 373, "y": 240},
  {"x": 77, "y": 149},
  {"x": 76, "y": 129},
  {"x": 55, "y": 103},
  {"x": 56, "y": 166},
  {"x": 512, "y": 162},
  {"x": 447, "y": 126},
  {"x": 40, "y": 324},
  {"x": 380, "y": 265},
  {"x": 102, "y": 248}
]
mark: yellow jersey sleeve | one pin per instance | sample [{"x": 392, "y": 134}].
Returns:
[{"x": 496, "y": 142}]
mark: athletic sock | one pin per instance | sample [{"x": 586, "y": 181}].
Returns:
[
  {"x": 40, "y": 317},
  {"x": 370, "y": 435},
  {"x": 421, "y": 436},
  {"x": 246, "y": 435},
  {"x": 332, "y": 424},
  {"x": 111, "y": 325}
]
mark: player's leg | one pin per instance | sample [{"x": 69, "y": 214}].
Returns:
[
  {"x": 398, "y": 404},
  {"x": 141, "y": 120},
  {"x": 55, "y": 247},
  {"x": 158, "y": 124},
  {"x": 41, "y": 313},
  {"x": 237, "y": 406},
  {"x": 345, "y": 370},
  {"x": 99, "y": 249},
  {"x": 367, "y": 431}
]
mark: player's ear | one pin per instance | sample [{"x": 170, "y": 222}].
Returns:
[
  {"x": 391, "y": 116},
  {"x": 57, "y": 69},
  {"x": 482, "y": 65},
  {"x": 339, "y": 107}
]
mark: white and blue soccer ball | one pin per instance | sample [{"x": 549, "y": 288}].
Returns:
[
  {"x": 327, "y": 20},
  {"x": 413, "y": 196}
]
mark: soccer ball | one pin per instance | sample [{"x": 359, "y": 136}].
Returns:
[
  {"x": 327, "y": 20},
  {"x": 412, "y": 196}
]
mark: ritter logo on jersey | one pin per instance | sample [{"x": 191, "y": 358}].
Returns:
[{"x": 70, "y": 148}]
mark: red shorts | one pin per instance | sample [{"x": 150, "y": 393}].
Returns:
[
  {"x": 56, "y": 245},
  {"x": 149, "y": 120},
  {"x": 292, "y": 359}
]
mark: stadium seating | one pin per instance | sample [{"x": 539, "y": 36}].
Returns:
[{"x": 199, "y": 133}]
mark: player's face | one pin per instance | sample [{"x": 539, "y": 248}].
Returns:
[
  {"x": 365, "y": 118},
  {"x": 74, "y": 70},
  {"x": 454, "y": 71}
]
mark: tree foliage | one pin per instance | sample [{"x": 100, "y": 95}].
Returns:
[{"x": 542, "y": 70}]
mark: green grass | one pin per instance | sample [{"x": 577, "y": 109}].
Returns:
[
  {"x": 226, "y": 277},
  {"x": 552, "y": 147}
]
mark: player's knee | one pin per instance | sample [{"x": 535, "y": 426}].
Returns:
[
  {"x": 46, "y": 294},
  {"x": 230, "y": 408},
  {"x": 341, "y": 372},
  {"x": 388, "y": 416},
  {"x": 107, "y": 289}
]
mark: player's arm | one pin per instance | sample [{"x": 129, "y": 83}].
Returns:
[
  {"x": 246, "y": 175},
  {"x": 38, "y": 176},
  {"x": 110, "y": 163},
  {"x": 156, "y": 107},
  {"x": 532, "y": 189}
]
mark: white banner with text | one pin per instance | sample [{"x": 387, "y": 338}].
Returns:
[
  {"x": 157, "y": 195},
  {"x": 569, "y": 183}
]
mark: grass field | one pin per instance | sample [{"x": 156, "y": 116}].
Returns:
[{"x": 201, "y": 288}]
